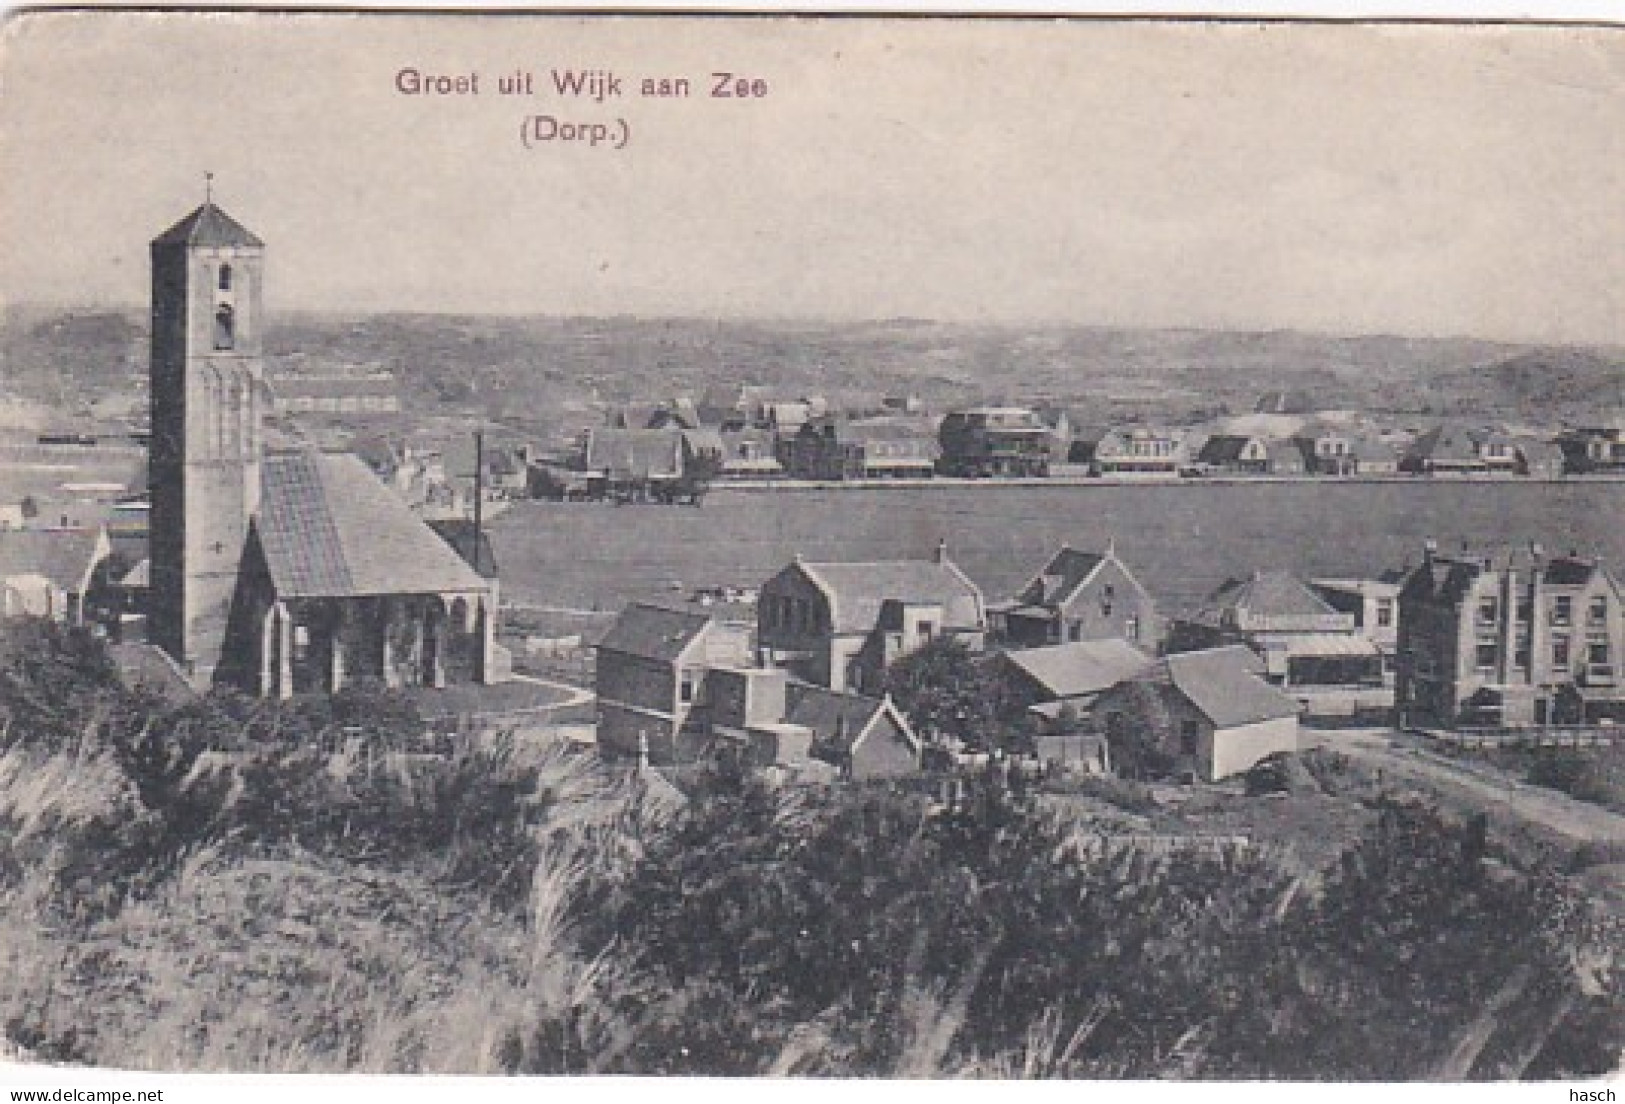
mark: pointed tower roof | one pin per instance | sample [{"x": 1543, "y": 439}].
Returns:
[{"x": 208, "y": 226}]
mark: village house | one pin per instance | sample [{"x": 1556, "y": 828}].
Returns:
[
  {"x": 1205, "y": 715},
  {"x": 1310, "y": 648},
  {"x": 678, "y": 413},
  {"x": 1080, "y": 596},
  {"x": 51, "y": 573},
  {"x": 730, "y": 408},
  {"x": 1594, "y": 450},
  {"x": 1458, "y": 450},
  {"x": 841, "y": 625},
  {"x": 651, "y": 674},
  {"x": 1241, "y": 454},
  {"x": 676, "y": 686},
  {"x": 1141, "y": 450},
  {"x": 1512, "y": 639},
  {"x": 644, "y": 465},
  {"x": 1341, "y": 451},
  {"x": 1041, "y": 681},
  {"x": 1541, "y": 459},
  {"x": 749, "y": 454},
  {"x": 1374, "y": 605},
  {"x": 985, "y": 441},
  {"x": 833, "y": 448},
  {"x": 280, "y": 572}
]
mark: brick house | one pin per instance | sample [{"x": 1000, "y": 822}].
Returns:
[
  {"x": 1594, "y": 449},
  {"x": 1081, "y": 596},
  {"x": 651, "y": 679},
  {"x": 1042, "y": 682},
  {"x": 1511, "y": 639},
  {"x": 675, "y": 685},
  {"x": 987, "y": 441},
  {"x": 834, "y": 448},
  {"x": 840, "y": 625},
  {"x": 1208, "y": 713}
]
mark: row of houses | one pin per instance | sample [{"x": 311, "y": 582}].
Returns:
[
  {"x": 806, "y": 680},
  {"x": 1086, "y": 660},
  {"x": 1015, "y": 441}
]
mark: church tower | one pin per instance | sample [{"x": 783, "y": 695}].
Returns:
[{"x": 208, "y": 398}]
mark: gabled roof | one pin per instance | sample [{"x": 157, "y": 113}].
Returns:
[
  {"x": 1449, "y": 576},
  {"x": 635, "y": 453},
  {"x": 1221, "y": 684},
  {"x": 208, "y": 226},
  {"x": 1269, "y": 594},
  {"x": 1067, "y": 571},
  {"x": 654, "y": 632},
  {"x": 839, "y": 719},
  {"x": 138, "y": 576},
  {"x": 885, "y": 429},
  {"x": 1570, "y": 571},
  {"x": 328, "y": 529},
  {"x": 1086, "y": 667},
  {"x": 858, "y": 590},
  {"x": 473, "y": 545},
  {"x": 64, "y": 556},
  {"x": 149, "y": 667},
  {"x": 1225, "y": 448},
  {"x": 704, "y": 440}
]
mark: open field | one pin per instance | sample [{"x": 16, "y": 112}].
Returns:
[{"x": 1183, "y": 539}]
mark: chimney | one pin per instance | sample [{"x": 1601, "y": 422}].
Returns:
[
  {"x": 643, "y": 752},
  {"x": 1430, "y": 548},
  {"x": 942, "y": 551}
]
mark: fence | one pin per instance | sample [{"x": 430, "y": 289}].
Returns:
[{"x": 1572, "y": 736}]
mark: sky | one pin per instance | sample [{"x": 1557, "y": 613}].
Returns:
[{"x": 1419, "y": 180}]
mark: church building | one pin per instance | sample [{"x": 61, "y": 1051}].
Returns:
[{"x": 280, "y": 572}]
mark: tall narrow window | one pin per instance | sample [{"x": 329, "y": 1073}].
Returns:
[
  {"x": 225, "y": 336},
  {"x": 225, "y": 277}
]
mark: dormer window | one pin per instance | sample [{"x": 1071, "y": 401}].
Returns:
[
  {"x": 225, "y": 336},
  {"x": 225, "y": 277}
]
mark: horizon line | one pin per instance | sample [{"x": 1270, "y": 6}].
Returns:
[{"x": 138, "y": 307}]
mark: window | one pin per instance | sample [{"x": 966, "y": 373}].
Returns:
[
  {"x": 1560, "y": 651},
  {"x": 1189, "y": 737},
  {"x": 1074, "y": 631},
  {"x": 1131, "y": 628},
  {"x": 1597, "y": 655},
  {"x": 928, "y": 629},
  {"x": 1385, "y": 613},
  {"x": 685, "y": 687},
  {"x": 225, "y": 336},
  {"x": 1597, "y": 613},
  {"x": 1485, "y": 655},
  {"x": 1489, "y": 611},
  {"x": 1562, "y": 610},
  {"x": 225, "y": 277}
]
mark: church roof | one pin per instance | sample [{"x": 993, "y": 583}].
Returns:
[
  {"x": 208, "y": 226},
  {"x": 330, "y": 529}
]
